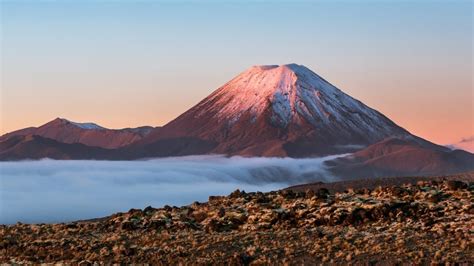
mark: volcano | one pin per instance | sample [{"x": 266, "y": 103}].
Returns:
[
  {"x": 285, "y": 110},
  {"x": 272, "y": 111}
]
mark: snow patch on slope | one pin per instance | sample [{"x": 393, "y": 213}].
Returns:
[
  {"x": 281, "y": 107},
  {"x": 89, "y": 126},
  {"x": 254, "y": 91}
]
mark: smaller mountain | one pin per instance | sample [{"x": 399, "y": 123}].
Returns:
[
  {"x": 402, "y": 157},
  {"x": 90, "y": 134},
  {"x": 24, "y": 147},
  {"x": 265, "y": 111},
  {"x": 33, "y": 147}
]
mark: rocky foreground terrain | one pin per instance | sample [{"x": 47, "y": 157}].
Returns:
[{"x": 429, "y": 221}]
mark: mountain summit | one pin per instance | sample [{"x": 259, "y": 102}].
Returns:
[
  {"x": 285, "y": 110},
  {"x": 90, "y": 134},
  {"x": 282, "y": 111}
]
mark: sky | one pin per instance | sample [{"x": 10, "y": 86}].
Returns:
[{"x": 134, "y": 63}]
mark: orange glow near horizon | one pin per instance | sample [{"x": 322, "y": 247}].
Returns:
[
  {"x": 407, "y": 103},
  {"x": 141, "y": 63}
]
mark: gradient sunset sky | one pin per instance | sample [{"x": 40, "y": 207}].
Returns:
[{"x": 132, "y": 63}]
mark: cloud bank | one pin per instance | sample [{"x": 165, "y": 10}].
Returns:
[
  {"x": 466, "y": 144},
  {"x": 55, "y": 191}
]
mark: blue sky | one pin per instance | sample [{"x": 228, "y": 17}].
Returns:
[{"x": 129, "y": 63}]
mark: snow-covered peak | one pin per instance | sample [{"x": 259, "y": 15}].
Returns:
[
  {"x": 263, "y": 67},
  {"x": 89, "y": 126},
  {"x": 277, "y": 86},
  {"x": 295, "y": 68},
  {"x": 292, "y": 94}
]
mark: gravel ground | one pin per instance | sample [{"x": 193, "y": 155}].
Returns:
[
  {"x": 371, "y": 183},
  {"x": 384, "y": 222}
]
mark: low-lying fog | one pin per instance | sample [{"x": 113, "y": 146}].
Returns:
[{"x": 57, "y": 191}]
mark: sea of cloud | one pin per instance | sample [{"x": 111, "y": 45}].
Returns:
[{"x": 58, "y": 191}]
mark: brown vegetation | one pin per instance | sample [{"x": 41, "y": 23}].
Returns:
[{"x": 431, "y": 221}]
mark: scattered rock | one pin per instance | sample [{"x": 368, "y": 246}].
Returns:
[
  {"x": 455, "y": 185},
  {"x": 423, "y": 223},
  {"x": 322, "y": 193}
]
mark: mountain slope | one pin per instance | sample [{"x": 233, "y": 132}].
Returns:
[
  {"x": 90, "y": 134},
  {"x": 283, "y": 110},
  {"x": 402, "y": 157},
  {"x": 270, "y": 111},
  {"x": 21, "y": 147}
]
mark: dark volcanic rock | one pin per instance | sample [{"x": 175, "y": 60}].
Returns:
[{"x": 422, "y": 223}]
